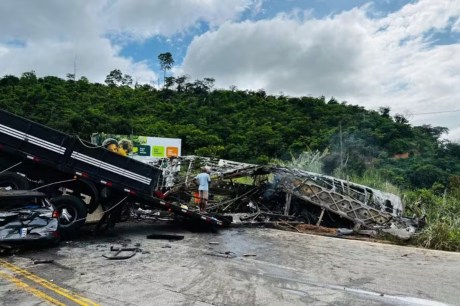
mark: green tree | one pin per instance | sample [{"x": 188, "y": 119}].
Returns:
[
  {"x": 425, "y": 176},
  {"x": 166, "y": 63},
  {"x": 114, "y": 77},
  {"x": 169, "y": 82},
  {"x": 117, "y": 78},
  {"x": 385, "y": 111},
  {"x": 180, "y": 81},
  {"x": 127, "y": 80}
]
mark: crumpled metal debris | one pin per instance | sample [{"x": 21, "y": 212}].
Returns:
[
  {"x": 122, "y": 253},
  {"x": 252, "y": 194},
  {"x": 226, "y": 254}
]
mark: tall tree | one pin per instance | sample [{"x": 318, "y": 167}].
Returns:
[{"x": 166, "y": 63}]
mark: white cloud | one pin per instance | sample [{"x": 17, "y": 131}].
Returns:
[
  {"x": 46, "y": 36},
  {"x": 387, "y": 61},
  {"x": 417, "y": 18},
  {"x": 146, "y": 18},
  {"x": 454, "y": 135},
  {"x": 37, "y": 20},
  {"x": 279, "y": 54},
  {"x": 55, "y": 34},
  {"x": 52, "y": 57},
  {"x": 456, "y": 25}
]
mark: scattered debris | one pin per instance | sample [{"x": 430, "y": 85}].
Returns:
[
  {"x": 247, "y": 255},
  {"x": 43, "y": 261},
  {"x": 8, "y": 249},
  {"x": 227, "y": 254},
  {"x": 347, "y": 231},
  {"x": 213, "y": 242},
  {"x": 344, "y": 231},
  {"x": 165, "y": 236},
  {"x": 5, "y": 246},
  {"x": 118, "y": 253},
  {"x": 316, "y": 229}
]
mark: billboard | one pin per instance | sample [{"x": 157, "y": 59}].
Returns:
[{"x": 143, "y": 148}]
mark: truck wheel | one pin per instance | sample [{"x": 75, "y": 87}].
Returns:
[
  {"x": 83, "y": 187},
  {"x": 13, "y": 181},
  {"x": 72, "y": 214}
]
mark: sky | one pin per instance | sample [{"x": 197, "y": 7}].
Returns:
[{"x": 404, "y": 55}]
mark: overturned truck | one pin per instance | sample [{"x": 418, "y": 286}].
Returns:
[
  {"x": 79, "y": 177},
  {"x": 252, "y": 194}
]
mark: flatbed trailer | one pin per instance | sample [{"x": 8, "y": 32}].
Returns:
[{"x": 35, "y": 156}]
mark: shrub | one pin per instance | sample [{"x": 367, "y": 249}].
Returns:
[{"x": 442, "y": 230}]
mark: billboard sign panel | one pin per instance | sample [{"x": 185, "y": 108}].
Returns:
[{"x": 143, "y": 148}]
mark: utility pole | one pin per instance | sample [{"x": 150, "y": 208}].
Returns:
[
  {"x": 75, "y": 68},
  {"x": 341, "y": 147}
]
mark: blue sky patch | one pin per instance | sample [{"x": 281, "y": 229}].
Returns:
[{"x": 14, "y": 43}]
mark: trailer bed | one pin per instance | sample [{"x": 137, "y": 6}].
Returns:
[{"x": 29, "y": 143}]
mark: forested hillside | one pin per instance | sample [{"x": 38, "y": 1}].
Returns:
[{"x": 240, "y": 125}]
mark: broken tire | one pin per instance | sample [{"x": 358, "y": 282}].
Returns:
[
  {"x": 13, "y": 181},
  {"x": 304, "y": 219},
  {"x": 307, "y": 217},
  {"x": 72, "y": 214}
]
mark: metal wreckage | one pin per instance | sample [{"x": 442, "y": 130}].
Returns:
[
  {"x": 254, "y": 194},
  {"x": 79, "y": 177}
]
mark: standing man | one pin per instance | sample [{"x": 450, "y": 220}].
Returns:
[{"x": 203, "y": 180}]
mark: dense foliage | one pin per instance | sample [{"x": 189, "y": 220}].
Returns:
[
  {"x": 248, "y": 126},
  {"x": 368, "y": 147}
]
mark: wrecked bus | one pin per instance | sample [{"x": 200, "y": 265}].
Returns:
[{"x": 256, "y": 194}]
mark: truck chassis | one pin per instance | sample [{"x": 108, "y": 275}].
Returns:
[{"x": 78, "y": 176}]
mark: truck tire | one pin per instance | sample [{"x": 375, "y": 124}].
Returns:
[
  {"x": 13, "y": 181},
  {"x": 83, "y": 187},
  {"x": 72, "y": 214}
]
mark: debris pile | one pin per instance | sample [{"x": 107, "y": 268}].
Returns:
[{"x": 254, "y": 194}]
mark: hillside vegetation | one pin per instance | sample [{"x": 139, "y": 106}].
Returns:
[{"x": 251, "y": 126}]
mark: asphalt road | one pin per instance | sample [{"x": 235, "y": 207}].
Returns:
[{"x": 250, "y": 266}]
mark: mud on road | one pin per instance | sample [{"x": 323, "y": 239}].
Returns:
[{"x": 245, "y": 266}]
